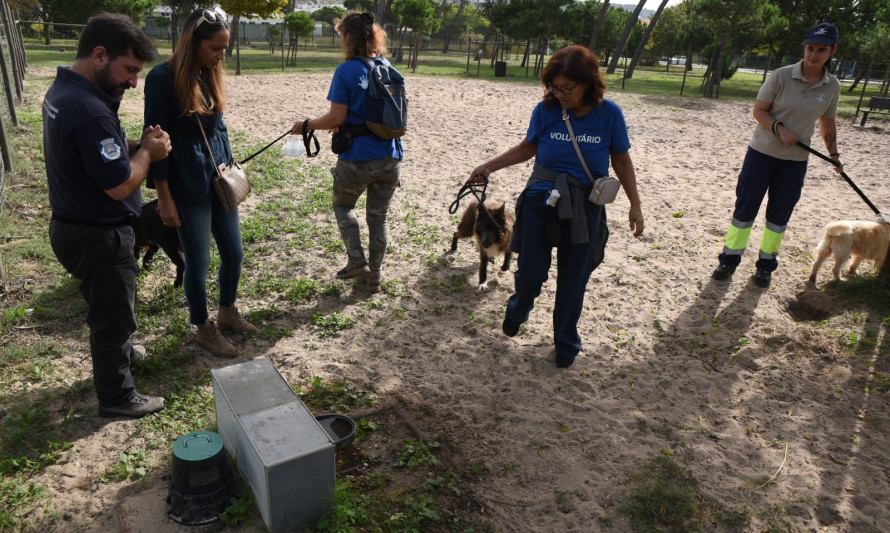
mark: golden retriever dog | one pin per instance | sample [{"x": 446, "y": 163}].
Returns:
[{"x": 862, "y": 240}]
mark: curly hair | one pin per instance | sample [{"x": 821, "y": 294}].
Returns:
[
  {"x": 187, "y": 68},
  {"x": 361, "y": 36},
  {"x": 579, "y": 65}
]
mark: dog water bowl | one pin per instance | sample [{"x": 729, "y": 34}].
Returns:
[
  {"x": 201, "y": 485},
  {"x": 340, "y": 428}
]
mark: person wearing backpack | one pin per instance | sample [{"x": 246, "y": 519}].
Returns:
[{"x": 366, "y": 162}]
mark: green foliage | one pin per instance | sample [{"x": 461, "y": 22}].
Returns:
[
  {"x": 241, "y": 510},
  {"x": 328, "y": 325},
  {"x": 300, "y": 23},
  {"x": 358, "y": 5},
  {"x": 253, "y": 8},
  {"x": 416, "y": 452},
  {"x": 339, "y": 396},
  {"x": 130, "y": 465},
  {"x": 349, "y": 511}
]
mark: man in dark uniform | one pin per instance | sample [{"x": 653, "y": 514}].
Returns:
[{"x": 94, "y": 175}]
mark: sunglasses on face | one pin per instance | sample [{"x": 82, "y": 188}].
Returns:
[
  {"x": 564, "y": 90},
  {"x": 208, "y": 16}
]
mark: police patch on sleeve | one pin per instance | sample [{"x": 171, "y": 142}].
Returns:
[{"x": 109, "y": 149}]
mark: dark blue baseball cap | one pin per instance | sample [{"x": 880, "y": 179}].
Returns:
[{"x": 824, "y": 33}]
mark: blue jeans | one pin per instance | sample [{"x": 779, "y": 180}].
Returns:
[
  {"x": 102, "y": 259},
  {"x": 199, "y": 221},
  {"x": 574, "y": 266}
]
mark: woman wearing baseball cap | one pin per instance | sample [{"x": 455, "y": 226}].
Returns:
[{"x": 789, "y": 103}]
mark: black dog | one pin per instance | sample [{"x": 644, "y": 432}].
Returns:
[
  {"x": 492, "y": 225},
  {"x": 151, "y": 233}
]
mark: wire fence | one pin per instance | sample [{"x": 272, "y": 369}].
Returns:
[{"x": 12, "y": 72}]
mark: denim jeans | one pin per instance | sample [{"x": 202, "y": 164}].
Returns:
[
  {"x": 102, "y": 259},
  {"x": 574, "y": 266},
  {"x": 379, "y": 178},
  {"x": 199, "y": 222}
]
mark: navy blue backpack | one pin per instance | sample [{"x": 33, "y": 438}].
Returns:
[{"x": 387, "y": 115}]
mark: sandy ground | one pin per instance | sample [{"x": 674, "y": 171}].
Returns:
[{"x": 719, "y": 376}]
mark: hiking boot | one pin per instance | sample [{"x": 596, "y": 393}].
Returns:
[
  {"x": 510, "y": 328},
  {"x": 373, "y": 279},
  {"x": 229, "y": 318},
  {"x": 137, "y": 354},
  {"x": 210, "y": 339},
  {"x": 139, "y": 406},
  {"x": 353, "y": 269},
  {"x": 723, "y": 272},
  {"x": 763, "y": 278}
]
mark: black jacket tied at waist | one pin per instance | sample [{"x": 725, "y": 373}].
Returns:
[{"x": 570, "y": 207}]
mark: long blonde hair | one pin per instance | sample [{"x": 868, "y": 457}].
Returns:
[
  {"x": 187, "y": 69},
  {"x": 361, "y": 36}
]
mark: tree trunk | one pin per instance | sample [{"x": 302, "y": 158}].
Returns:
[
  {"x": 381, "y": 12},
  {"x": 621, "y": 42},
  {"x": 460, "y": 9},
  {"x": 769, "y": 57},
  {"x": 633, "y": 62},
  {"x": 598, "y": 27},
  {"x": 233, "y": 34}
]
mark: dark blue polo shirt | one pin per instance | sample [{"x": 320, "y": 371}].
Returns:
[{"x": 85, "y": 149}]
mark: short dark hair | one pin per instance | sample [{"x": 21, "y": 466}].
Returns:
[
  {"x": 578, "y": 64},
  {"x": 118, "y": 35}
]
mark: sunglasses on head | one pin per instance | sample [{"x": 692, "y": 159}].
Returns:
[{"x": 207, "y": 15}]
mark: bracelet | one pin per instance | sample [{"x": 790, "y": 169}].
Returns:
[
  {"x": 775, "y": 127},
  {"x": 836, "y": 154}
]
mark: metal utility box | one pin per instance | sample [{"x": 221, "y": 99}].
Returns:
[{"x": 280, "y": 449}]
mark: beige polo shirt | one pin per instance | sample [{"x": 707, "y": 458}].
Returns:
[{"x": 798, "y": 106}]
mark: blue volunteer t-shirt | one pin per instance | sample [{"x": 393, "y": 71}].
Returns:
[
  {"x": 85, "y": 150},
  {"x": 350, "y": 87},
  {"x": 600, "y": 133}
]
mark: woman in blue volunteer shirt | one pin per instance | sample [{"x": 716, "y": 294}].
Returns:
[
  {"x": 370, "y": 164},
  {"x": 186, "y": 95},
  {"x": 574, "y": 225}
]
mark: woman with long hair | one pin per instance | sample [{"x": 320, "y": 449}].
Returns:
[
  {"x": 573, "y": 93},
  {"x": 186, "y": 96},
  {"x": 371, "y": 164}
]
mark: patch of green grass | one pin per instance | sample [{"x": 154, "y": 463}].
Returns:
[
  {"x": 131, "y": 465},
  {"x": 416, "y": 452},
  {"x": 337, "y": 397},
  {"x": 241, "y": 511},
  {"x": 665, "y": 496}
]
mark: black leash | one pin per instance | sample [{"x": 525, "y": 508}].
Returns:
[
  {"x": 473, "y": 188},
  {"x": 308, "y": 136},
  {"x": 847, "y": 178},
  {"x": 264, "y": 148}
]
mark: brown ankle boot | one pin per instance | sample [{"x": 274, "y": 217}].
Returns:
[
  {"x": 210, "y": 339},
  {"x": 229, "y": 318}
]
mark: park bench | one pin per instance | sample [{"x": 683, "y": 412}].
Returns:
[{"x": 876, "y": 102}]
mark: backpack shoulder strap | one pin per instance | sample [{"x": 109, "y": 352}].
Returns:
[{"x": 366, "y": 60}]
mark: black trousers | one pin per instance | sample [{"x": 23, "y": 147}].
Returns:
[{"x": 101, "y": 257}]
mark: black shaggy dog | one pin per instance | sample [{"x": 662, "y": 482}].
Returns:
[
  {"x": 151, "y": 233},
  {"x": 492, "y": 225}
]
